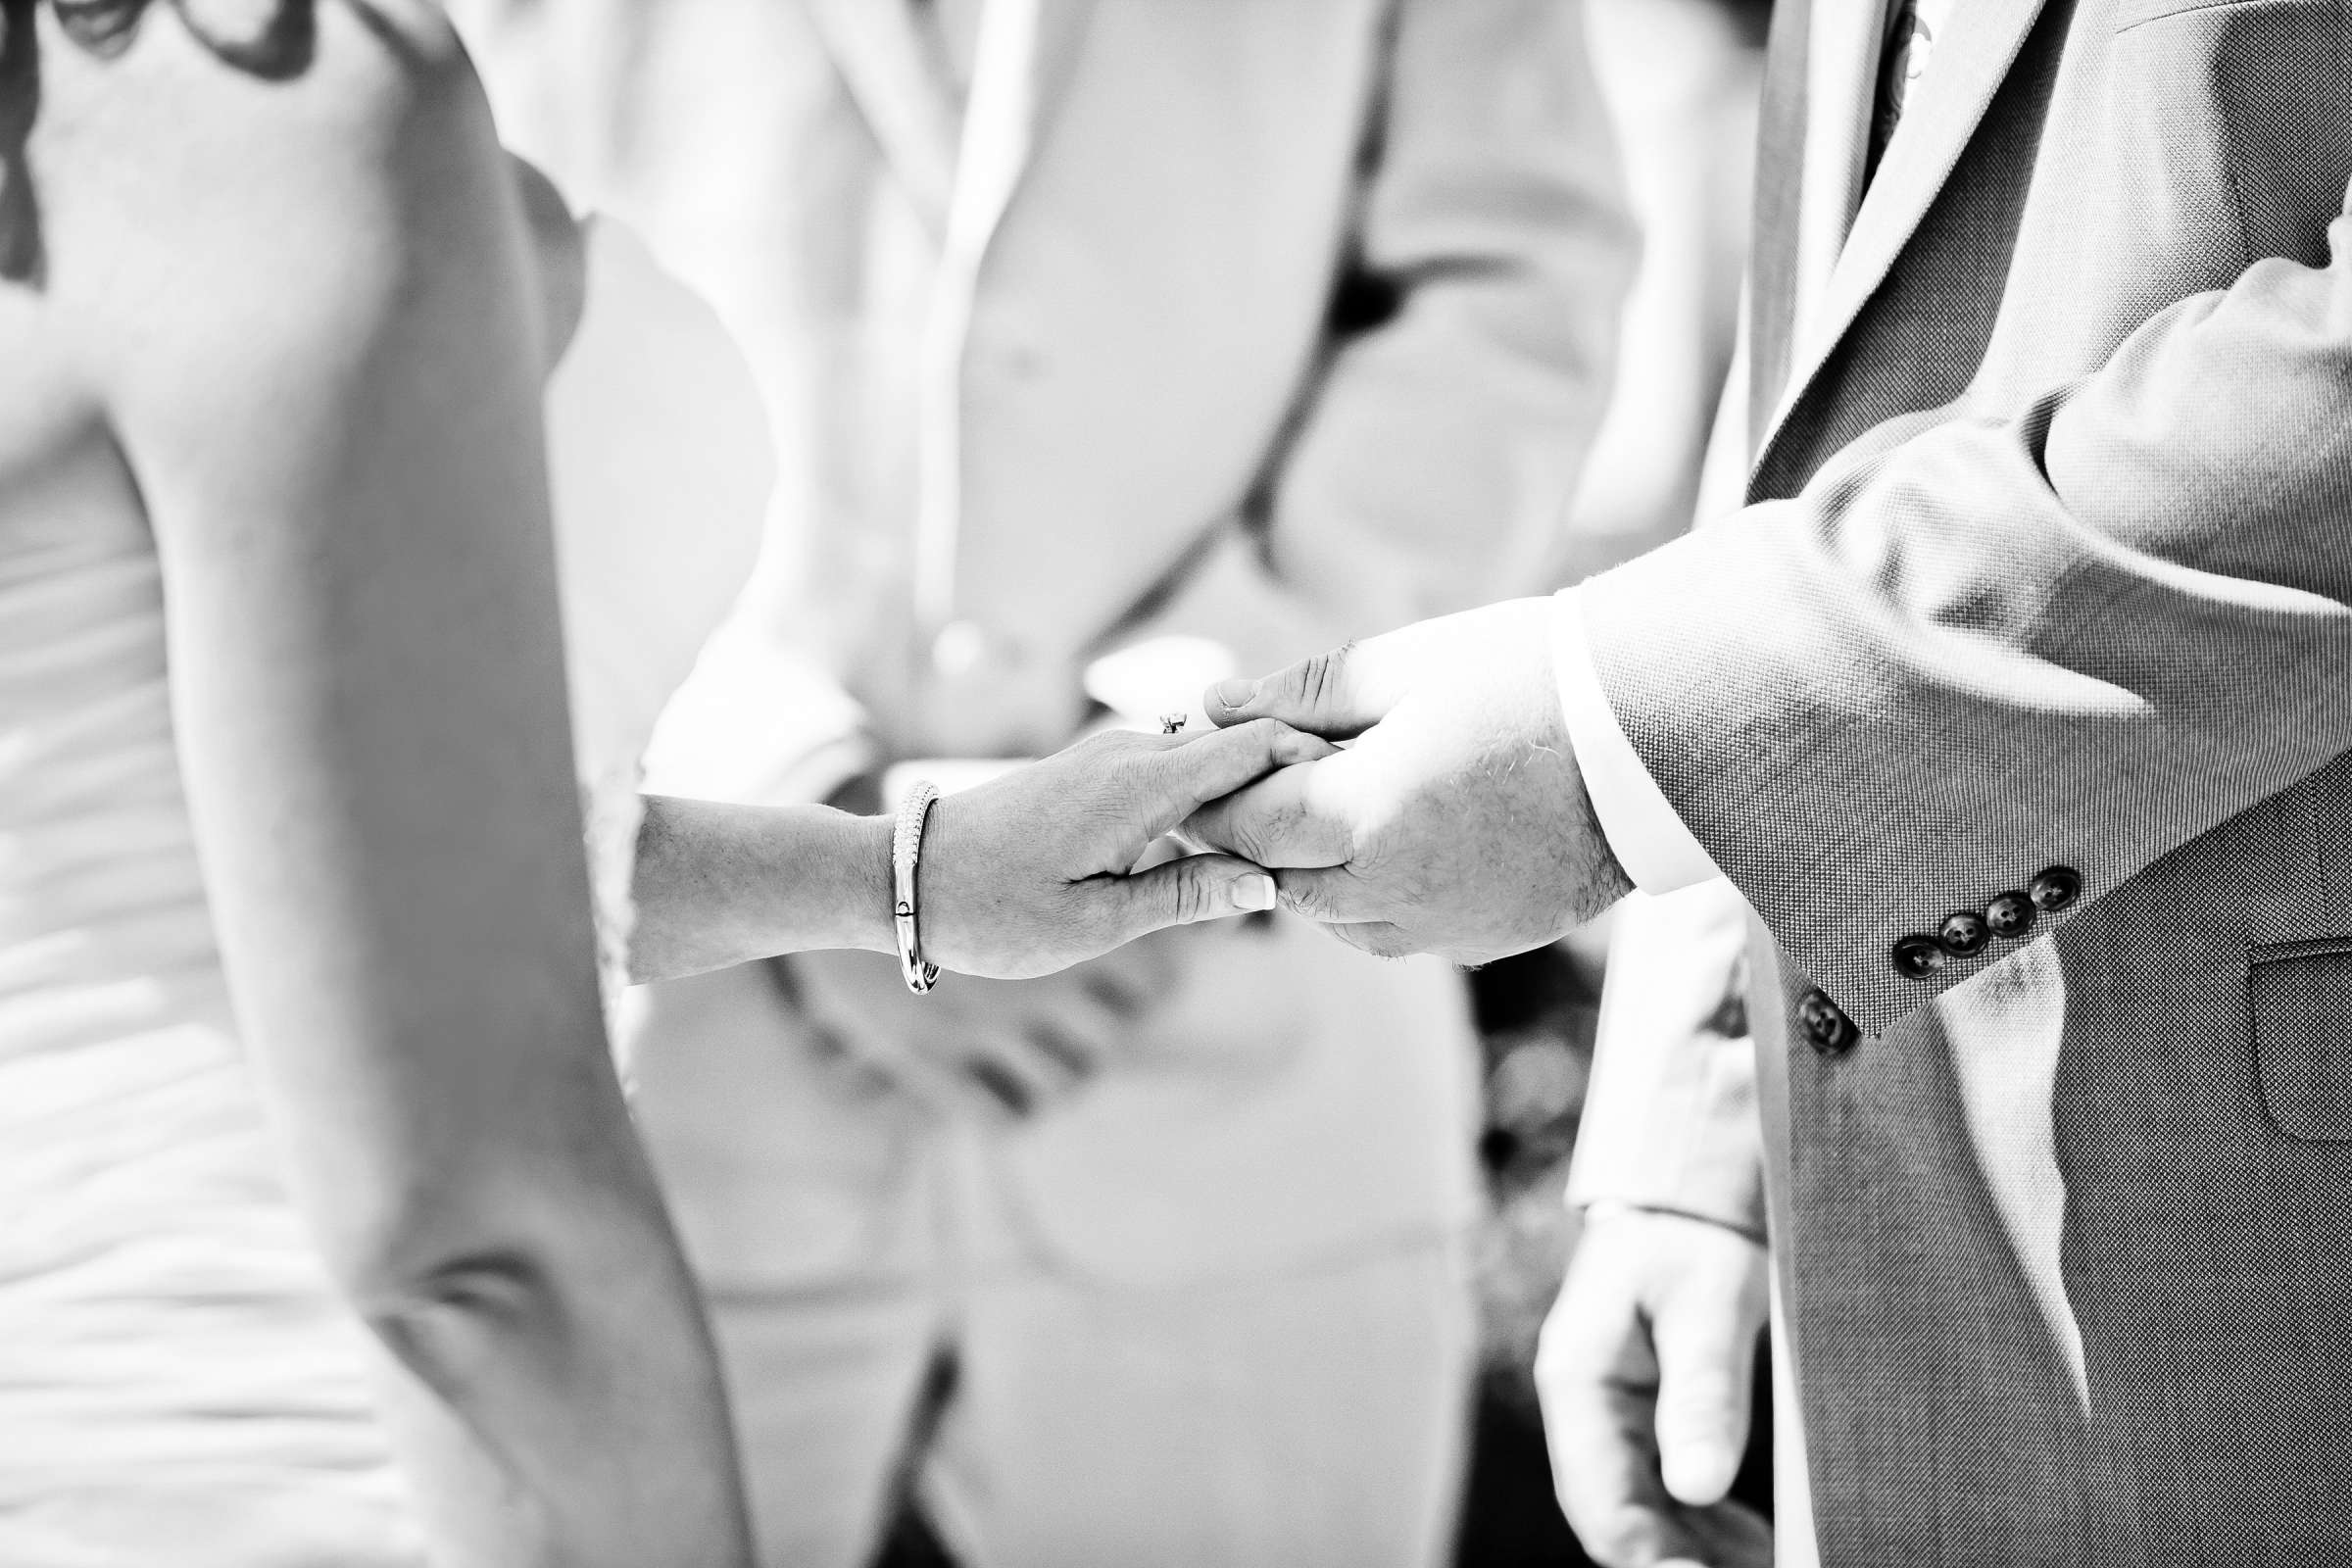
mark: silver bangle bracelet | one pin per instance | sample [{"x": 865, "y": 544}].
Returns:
[{"x": 905, "y": 855}]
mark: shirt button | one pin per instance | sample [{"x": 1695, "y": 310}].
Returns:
[
  {"x": 2011, "y": 915},
  {"x": 1964, "y": 934},
  {"x": 2056, "y": 888},
  {"x": 1917, "y": 957},
  {"x": 1827, "y": 1027}
]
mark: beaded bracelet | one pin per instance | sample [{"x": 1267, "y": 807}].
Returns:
[{"x": 905, "y": 854}]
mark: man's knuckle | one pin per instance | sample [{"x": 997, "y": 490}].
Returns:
[
  {"x": 1249, "y": 839},
  {"x": 1303, "y": 898},
  {"x": 1319, "y": 676}
]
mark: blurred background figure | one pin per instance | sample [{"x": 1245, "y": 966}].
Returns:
[
  {"x": 1680, "y": 79},
  {"x": 1109, "y": 348}
]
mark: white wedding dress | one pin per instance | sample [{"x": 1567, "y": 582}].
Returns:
[{"x": 179, "y": 1385}]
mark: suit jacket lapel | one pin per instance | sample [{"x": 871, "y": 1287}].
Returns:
[
  {"x": 1022, "y": 68},
  {"x": 1814, "y": 133},
  {"x": 1841, "y": 83},
  {"x": 1967, "y": 70},
  {"x": 1026, "y": 59},
  {"x": 896, "y": 84},
  {"x": 1772, "y": 284}
]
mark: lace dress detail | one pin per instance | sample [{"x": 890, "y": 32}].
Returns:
[{"x": 610, "y": 812}]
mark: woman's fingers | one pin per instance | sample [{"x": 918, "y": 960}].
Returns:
[
  {"x": 1033, "y": 873},
  {"x": 1186, "y": 772}
]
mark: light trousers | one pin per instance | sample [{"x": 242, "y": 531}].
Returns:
[
  {"x": 892, "y": 1325},
  {"x": 1316, "y": 1418}
]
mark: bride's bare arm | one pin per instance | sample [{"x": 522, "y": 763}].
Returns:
[
  {"x": 1024, "y": 875},
  {"x": 313, "y": 318}
]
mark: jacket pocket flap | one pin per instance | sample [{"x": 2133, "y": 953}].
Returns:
[{"x": 2300, "y": 994}]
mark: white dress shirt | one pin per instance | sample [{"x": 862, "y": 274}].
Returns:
[{"x": 1642, "y": 829}]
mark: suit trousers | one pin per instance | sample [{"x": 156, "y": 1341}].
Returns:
[{"x": 893, "y": 1324}]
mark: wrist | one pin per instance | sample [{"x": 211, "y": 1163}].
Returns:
[
  {"x": 826, "y": 873},
  {"x": 720, "y": 884},
  {"x": 866, "y": 902}
]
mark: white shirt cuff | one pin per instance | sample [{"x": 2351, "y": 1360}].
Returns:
[{"x": 1643, "y": 827}]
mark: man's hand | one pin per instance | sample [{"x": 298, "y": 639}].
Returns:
[
  {"x": 1644, "y": 1370},
  {"x": 1457, "y": 823},
  {"x": 1004, "y": 1047}
]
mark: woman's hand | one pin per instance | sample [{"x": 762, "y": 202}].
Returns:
[
  {"x": 1026, "y": 874},
  {"x": 1031, "y": 873}
]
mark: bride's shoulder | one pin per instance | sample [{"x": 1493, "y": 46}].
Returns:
[
  {"x": 365, "y": 58},
  {"x": 158, "y": 112},
  {"x": 184, "y": 183},
  {"x": 227, "y": 182}
]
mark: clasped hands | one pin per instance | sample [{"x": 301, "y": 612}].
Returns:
[{"x": 1455, "y": 823}]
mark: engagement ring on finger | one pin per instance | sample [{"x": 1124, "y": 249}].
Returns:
[{"x": 1170, "y": 723}]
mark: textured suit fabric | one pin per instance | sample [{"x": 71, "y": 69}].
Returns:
[
  {"x": 2053, "y": 518},
  {"x": 2021, "y": 555}
]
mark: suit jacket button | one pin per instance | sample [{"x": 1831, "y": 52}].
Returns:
[
  {"x": 1916, "y": 956},
  {"x": 2055, "y": 889},
  {"x": 1827, "y": 1027},
  {"x": 1964, "y": 934},
  {"x": 2011, "y": 915}
]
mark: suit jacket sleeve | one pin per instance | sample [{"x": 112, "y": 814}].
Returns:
[
  {"x": 1432, "y": 458},
  {"x": 2078, "y": 633}
]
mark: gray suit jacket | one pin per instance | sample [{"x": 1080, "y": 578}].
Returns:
[{"x": 2052, "y": 524}]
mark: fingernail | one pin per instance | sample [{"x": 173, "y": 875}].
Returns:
[
  {"x": 1236, "y": 693},
  {"x": 1253, "y": 893}
]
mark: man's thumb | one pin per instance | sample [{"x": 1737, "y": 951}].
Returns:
[{"x": 1324, "y": 695}]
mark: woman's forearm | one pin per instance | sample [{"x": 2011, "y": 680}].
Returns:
[
  {"x": 339, "y": 456},
  {"x": 1025, "y": 874},
  {"x": 720, "y": 884}
]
